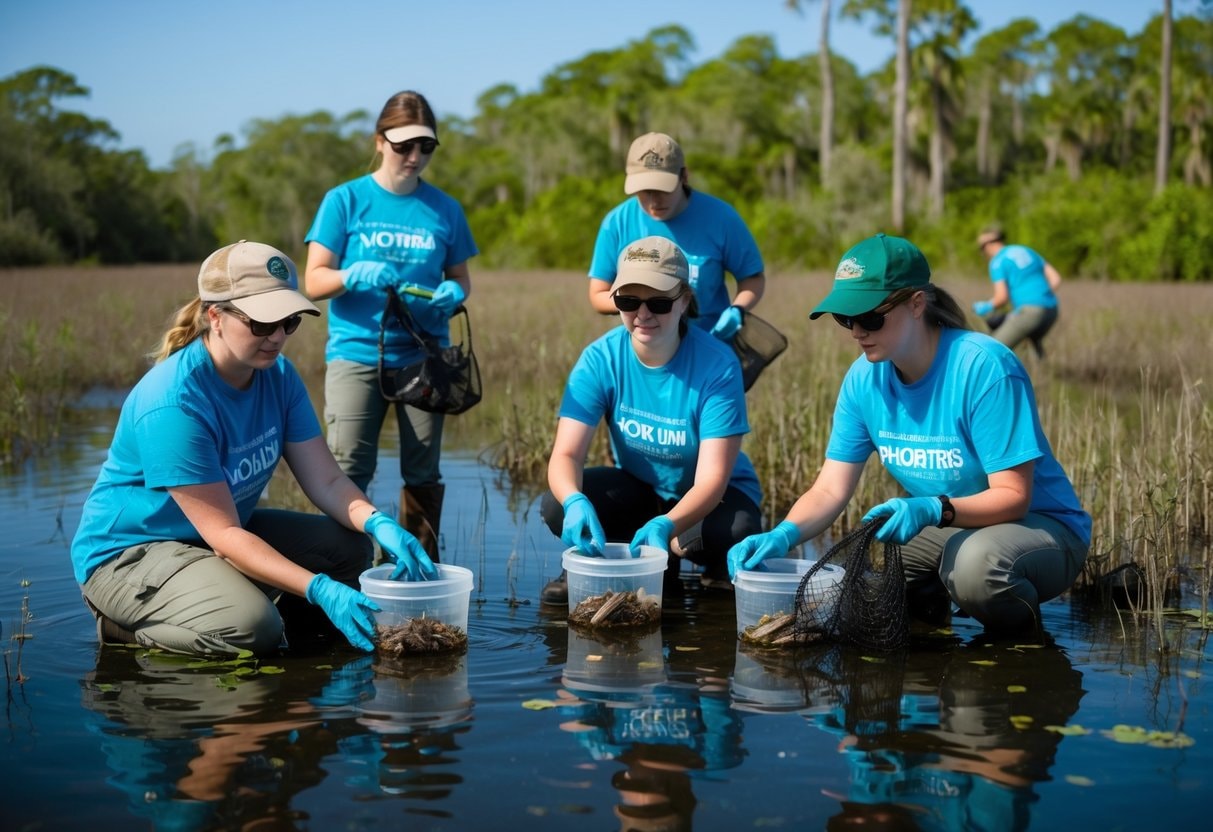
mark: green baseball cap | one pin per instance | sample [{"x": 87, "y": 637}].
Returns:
[{"x": 871, "y": 271}]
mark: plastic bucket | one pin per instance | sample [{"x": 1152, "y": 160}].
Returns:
[
  {"x": 616, "y": 571},
  {"x": 771, "y": 591},
  {"x": 444, "y": 599}
]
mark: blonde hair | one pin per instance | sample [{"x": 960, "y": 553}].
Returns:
[{"x": 188, "y": 323}]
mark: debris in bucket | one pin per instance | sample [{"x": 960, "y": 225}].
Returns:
[
  {"x": 617, "y": 609},
  {"x": 420, "y": 636},
  {"x": 772, "y": 630}
]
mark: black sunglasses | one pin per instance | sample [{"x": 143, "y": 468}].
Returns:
[
  {"x": 427, "y": 146},
  {"x": 869, "y": 321},
  {"x": 264, "y": 330},
  {"x": 658, "y": 305}
]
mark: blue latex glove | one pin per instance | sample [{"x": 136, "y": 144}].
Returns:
[
  {"x": 983, "y": 307},
  {"x": 368, "y": 274},
  {"x": 581, "y": 527},
  {"x": 907, "y": 517},
  {"x": 348, "y": 609},
  {"x": 756, "y": 548},
  {"x": 448, "y": 296},
  {"x": 412, "y": 563},
  {"x": 657, "y": 532},
  {"x": 728, "y": 323}
]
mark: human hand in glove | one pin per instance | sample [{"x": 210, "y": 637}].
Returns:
[
  {"x": 348, "y": 609},
  {"x": 657, "y": 532},
  {"x": 581, "y": 527},
  {"x": 412, "y": 562},
  {"x": 448, "y": 296},
  {"x": 728, "y": 323},
  {"x": 368, "y": 274},
  {"x": 907, "y": 517},
  {"x": 983, "y": 307},
  {"x": 756, "y": 548}
]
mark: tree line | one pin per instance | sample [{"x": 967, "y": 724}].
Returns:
[{"x": 1087, "y": 142}]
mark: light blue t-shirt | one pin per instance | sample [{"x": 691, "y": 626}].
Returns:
[
  {"x": 658, "y": 416},
  {"x": 972, "y": 414},
  {"x": 1023, "y": 270},
  {"x": 183, "y": 425},
  {"x": 420, "y": 234},
  {"x": 711, "y": 234}
]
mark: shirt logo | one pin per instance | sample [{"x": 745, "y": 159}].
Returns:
[{"x": 849, "y": 269}]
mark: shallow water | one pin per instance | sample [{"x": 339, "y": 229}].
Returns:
[{"x": 538, "y": 727}]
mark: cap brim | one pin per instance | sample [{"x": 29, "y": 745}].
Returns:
[
  {"x": 651, "y": 181},
  {"x": 850, "y": 302},
  {"x": 409, "y": 131},
  {"x": 658, "y": 282},
  {"x": 274, "y": 306}
]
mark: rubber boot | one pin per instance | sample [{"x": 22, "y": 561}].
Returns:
[{"x": 421, "y": 514}]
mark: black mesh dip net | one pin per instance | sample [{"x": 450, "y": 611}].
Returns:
[{"x": 865, "y": 609}]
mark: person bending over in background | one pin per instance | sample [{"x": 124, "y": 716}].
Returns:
[
  {"x": 709, "y": 231},
  {"x": 389, "y": 230},
  {"x": 1023, "y": 282},
  {"x": 991, "y": 521},
  {"x": 172, "y": 551},
  {"x": 675, "y": 410}
]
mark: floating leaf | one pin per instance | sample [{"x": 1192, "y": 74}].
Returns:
[
  {"x": 1136, "y": 735},
  {"x": 271, "y": 670},
  {"x": 1028, "y": 646},
  {"x": 1079, "y": 780},
  {"x": 685, "y": 649},
  {"x": 1192, "y": 674},
  {"x": 1068, "y": 730},
  {"x": 538, "y": 704},
  {"x": 1016, "y": 689},
  {"x": 873, "y": 659},
  {"x": 1022, "y": 722},
  {"x": 984, "y": 662},
  {"x": 593, "y": 657},
  {"x": 648, "y": 665}
]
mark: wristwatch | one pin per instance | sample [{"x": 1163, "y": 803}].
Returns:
[{"x": 947, "y": 513}]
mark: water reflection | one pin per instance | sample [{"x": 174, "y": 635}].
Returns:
[
  {"x": 621, "y": 704},
  {"x": 952, "y": 739},
  {"x": 191, "y": 753}
]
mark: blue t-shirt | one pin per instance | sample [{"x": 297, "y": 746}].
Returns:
[
  {"x": 420, "y": 234},
  {"x": 658, "y": 416},
  {"x": 183, "y": 425},
  {"x": 711, "y": 234},
  {"x": 1023, "y": 270},
  {"x": 972, "y": 414}
]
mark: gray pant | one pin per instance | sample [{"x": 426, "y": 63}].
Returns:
[
  {"x": 185, "y": 599},
  {"x": 997, "y": 574},
  {"x": 354, "y": 410},
  {"x": 1032, "y": 322}
]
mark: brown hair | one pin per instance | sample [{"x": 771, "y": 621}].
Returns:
[
  {"x": 188, "y": 323},
  {"x": 405, "y": 108},
  {"x": 942, "y": 308}
]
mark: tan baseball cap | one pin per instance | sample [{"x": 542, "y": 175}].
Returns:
[
  {"x": 654, "y": 262},
  {"x": 655, "y": 163},
  {"x": 257, "y": 279},
  {"x": 395, "y": 135},
  {"x": 990, "y": 234}
]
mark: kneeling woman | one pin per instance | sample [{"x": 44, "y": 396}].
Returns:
[
  {"x": 171, "y": 551},
  {"x": 675, "y": 410},
  {"x": 991, "y": 516}
]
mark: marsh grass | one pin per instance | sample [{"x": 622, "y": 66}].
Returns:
[{"x": 1123, "y": 392}]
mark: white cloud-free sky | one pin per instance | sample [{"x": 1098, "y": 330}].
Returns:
[{"x": 164, "y": 73}]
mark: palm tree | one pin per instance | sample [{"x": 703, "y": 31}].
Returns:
[
  {"x": 1162, "y": 159},
  {"x": 826, "y": 142}
]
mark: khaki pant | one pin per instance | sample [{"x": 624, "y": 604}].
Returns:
[
  {"x": 997, "y": 574},
  {"x": 185, "y": 599}
]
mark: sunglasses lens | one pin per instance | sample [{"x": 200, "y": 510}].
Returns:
[
  {"x": 659, "y": 306},
  {"x": 868, "y": 321},
  {"x": 291, "y": 323},
  {"x": 427, "y": 146},
  {"x": 627, "y": 303}
]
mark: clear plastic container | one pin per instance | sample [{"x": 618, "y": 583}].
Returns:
[
  {"x": 772, "y": 590},
  {"x": 616, "y": 571},
  {"x": 444, "y": 599}
]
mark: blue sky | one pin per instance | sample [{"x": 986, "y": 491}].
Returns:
[{"x": 164, "y": 72}]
